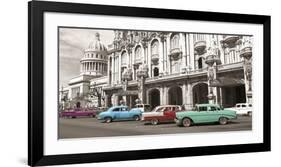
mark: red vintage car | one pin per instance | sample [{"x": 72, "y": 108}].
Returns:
[
  {"x": 78, "y": 112},
  {"x": 165, "y": 113}
]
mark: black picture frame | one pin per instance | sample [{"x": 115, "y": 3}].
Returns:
[{"x": 36, "y": 11}]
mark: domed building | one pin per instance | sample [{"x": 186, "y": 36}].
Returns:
[
  {"x": 94, "y": 61},
  {"x": 84, "y": 89}
]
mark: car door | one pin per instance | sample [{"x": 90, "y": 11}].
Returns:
[
  {"x": 116, "y": 113},
  {"x": 214, "y": 114},
  {"x": 124, "y": 113},
  {"x": 169, "y": 113},
  {"x": 202, "y": 115}
]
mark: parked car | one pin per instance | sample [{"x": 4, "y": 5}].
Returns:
[
  {"x": 205, "y": 113},
  {"x": 243, "y": 109},
  {"x": 144, "y": 107},
  {"x": 165, "y": 113},
  {"x": 78, "y": 112},
  {"x": 120, "y": 113}
]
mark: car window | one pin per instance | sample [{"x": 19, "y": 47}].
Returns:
[
  {"x": 250, "y": 105},
  {"x": 203, "y": 108},
  {"x": 116, "y": 109},
  {"x": 159, "y": 109},
  {"x": 212, "y": 108},
  {"x": 123, "y": 109},
  {"x": 238, "y": 105},
  {"x": 243, "y": 105}
]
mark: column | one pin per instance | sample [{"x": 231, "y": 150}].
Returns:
[
  {"x": 191, "y": 51},
  {"x": 149, "y": 60},
  {"x": 165, "y": 55},
  {"x": 187, "y": 49},
  {"x": 183, "y": 49},
  {"x": 168, "y": 57},
  {"x": 189, "y": 98},
  {"x": 161, "y": 56},
  {"x": 112, "y": 68},
  {"x": 119, "y": 68}
]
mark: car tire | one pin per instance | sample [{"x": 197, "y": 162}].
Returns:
[
  {"x": 73, "y": 117},
  {"x": 107, "y": 119},
  {"x": 136, "y": 118},
  {"x": 186, "y": 122},
  {"x": 223, "y": 120},
  {"x": 154, "y": 121}
]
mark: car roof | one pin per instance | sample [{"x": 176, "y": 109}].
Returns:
[
  {"x": 169, "y": 106},
  {"x": 118, "y": 107},
  {"x": 206, "y": 104}
]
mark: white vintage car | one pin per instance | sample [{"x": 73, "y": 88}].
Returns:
[{"x": 243, "y": 109}]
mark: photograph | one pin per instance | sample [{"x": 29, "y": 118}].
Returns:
[{"x": 130, "y": 82}]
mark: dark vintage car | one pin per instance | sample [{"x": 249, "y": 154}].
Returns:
[{"x": 78, "y": 112}]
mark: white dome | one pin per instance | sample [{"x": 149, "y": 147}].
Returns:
[{"x": 96, "y": 45}]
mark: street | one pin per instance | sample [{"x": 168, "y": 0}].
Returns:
[{"x": 91, "y": 127}]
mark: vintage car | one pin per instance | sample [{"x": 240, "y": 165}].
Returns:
[
  {"x": 243, "y": 109},
  {"x": 164, "y": 113},
  {"x": 78, "y": 112},
  {"x": 205, "y": 113},
  {"x": 120, "y": 113}
]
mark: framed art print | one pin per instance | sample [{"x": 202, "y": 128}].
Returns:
[{"x": 113, "y": 83}]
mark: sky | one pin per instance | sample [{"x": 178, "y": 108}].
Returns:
[{"x": 72, "y": 43}]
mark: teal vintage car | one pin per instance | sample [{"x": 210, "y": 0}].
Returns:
[{"x": 205, "y": 113}]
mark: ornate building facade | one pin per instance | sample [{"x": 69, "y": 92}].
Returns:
[
  {"x": 178, "y": 68},
  {"x": 160, "y": 68}
]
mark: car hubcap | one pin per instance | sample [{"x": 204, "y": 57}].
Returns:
[
  {"x": 154, "y": 122},
  {"x": 223, "y": 121},
  {"x": 186, "y": 122}
]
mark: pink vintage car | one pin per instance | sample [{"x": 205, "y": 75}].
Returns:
[{"x": 78, "y": 112}]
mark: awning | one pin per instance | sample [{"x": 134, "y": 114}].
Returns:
[{"x": 226, "y": 81}]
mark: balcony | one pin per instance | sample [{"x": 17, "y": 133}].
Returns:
[
  {"x": 200, "y": 46},
  {"x": 230, "y": 40},
  {"x": 175, "y": 53},
  {"x": 155, "y": 58},
  {"x": 246, "y": 52}
]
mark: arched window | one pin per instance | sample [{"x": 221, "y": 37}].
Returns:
[
  {"x": 175, "y": 41},
  {"x": 155, "y": 72},
  {"x": 155, "y": 48},
  {"x": 123, "y": 57},
  {"x": 138, "y": 53},
  {"x": 200, "y": 63}
]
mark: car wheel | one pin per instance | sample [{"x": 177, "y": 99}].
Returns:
[
  {"x": 136, "y": 118},
  {"x": 154, "y": 121},
  {"x": 186, "y": 122},
  {"x": 249, "y": 113},
  {"x": 107, "y": 120},
  {"x": 73, "y": 117},
  {"x": 223, "y": 120}
]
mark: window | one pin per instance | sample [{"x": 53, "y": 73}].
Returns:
[
  {"x": 155, "y": 48},
  {"x": 123, "y": 58},
  {"x": 243, "y": 105},
  {"x": 175, "y": 41},
  {"x": 212, "y": 108},
  {"x": 155, "y": 72},
  {"x": 138, "y": 53},
  {"x": 116, "y": 109},
  {"x": 203, "y": 108}
]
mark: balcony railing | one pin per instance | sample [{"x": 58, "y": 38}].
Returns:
[
  {"x": 230, "y": 38},
  {"x": 200, "y": 46},
  {"x": 155, "y": 58},
  {"x": 175, "y": 53}
]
